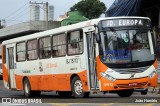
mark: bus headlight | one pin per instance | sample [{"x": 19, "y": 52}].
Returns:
[
  {"x": 152, "y": 74},
  {"x": 107, "y": 76}
]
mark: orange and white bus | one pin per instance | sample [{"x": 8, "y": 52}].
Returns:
[{"x": 90, "y": 56}]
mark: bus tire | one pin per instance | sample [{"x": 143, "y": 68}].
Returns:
[
  {"x": 27, "y": 88},
  {"x": 77, "y": 88},
  {"x": 65, "y": 93},
  {"x": 144, "y": 92},
  {"x": 36, "y": 93},
  {"x": 125, "y": 93}
]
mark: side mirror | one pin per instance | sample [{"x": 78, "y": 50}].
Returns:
[{"x": 98, "y": 38}]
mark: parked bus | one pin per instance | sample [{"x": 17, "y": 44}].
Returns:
[{"x": 114, "y": 54}]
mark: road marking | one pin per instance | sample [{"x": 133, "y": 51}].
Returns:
[
  {"x": 101, "y": 104},
  {"x": 8, "y": 104},
  {"x": 131, "y": 104},
  {"x": 151, "y": 104},
  {"x": 108, "y": 104},
  {"x": 59, "y": 104}
]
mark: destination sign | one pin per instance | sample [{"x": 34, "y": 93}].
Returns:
[{"x": 136, "y": 22}]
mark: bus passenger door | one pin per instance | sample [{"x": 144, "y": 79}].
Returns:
[
  {"x": 90, "y": 39},
  {"x": 11, "y": 67}
]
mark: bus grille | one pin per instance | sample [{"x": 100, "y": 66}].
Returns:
[{"x": 131, "y": 70}]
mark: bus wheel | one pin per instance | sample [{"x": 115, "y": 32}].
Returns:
[
  {"x": 36, "y": 93},
  {"x": 77, "y": 88},
  {"x": 64, "y": 93},
  {"x": 125, "y": 93},
  {"x": 27, "y": 88},
  {"x": 144, "y": 92}
]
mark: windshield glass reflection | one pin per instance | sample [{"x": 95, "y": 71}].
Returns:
[{"x": 126, "y": 46}]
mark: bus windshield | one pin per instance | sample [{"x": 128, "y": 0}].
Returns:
[{"x": 126, "y": 46}]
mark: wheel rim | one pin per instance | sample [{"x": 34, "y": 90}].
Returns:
[
  {"x": 26, "y": 88},
  {"x": 78, "y": 87}
]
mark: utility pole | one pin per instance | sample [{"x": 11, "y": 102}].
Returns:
[
  {"x": 45, "y": 10},
  {"x": 46, "y": 14}
]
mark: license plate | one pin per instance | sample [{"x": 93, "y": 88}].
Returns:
[{"x": 133, "y": 84}]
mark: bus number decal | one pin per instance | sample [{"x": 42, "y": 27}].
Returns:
[
  {"x": 73, "y": 60},
  {"x": 108, "y": 84}
]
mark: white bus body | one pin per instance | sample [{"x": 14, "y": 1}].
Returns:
[{"x": 70, "y": 61}]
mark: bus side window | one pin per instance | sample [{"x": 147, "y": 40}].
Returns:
[
  {"x": 44, "y": 47},
  {"x": 75, "y": 42},
  {"x": 20, "y": 51},
  {"x": 32, "y": 53},
  {"x": 59, "y": 45}
]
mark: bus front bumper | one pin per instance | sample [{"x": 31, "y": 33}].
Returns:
[{"x": 120, "y": 84}]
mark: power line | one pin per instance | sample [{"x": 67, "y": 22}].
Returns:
[
  {"x": 21, "y": 15},
  {"x": 16, "y": 11},
  {"x": 17, "y": 15},
  {"x": 14, "y": 16}
]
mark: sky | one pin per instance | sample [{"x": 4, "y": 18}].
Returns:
[{"x": 17, "y": 11}]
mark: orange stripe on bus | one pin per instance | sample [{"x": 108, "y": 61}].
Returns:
[
  {"x": 57, "y": 82},
  {"x": 100, "y": 67},
  {"x": 154, "y": 80},
  {"x": 5, "y": 73},
  {"x": 4, "y": 69},
  {"x": 107, "y": 85},
  {"x": 155, "y": 64},
  {"x": 19, "y": 82}
]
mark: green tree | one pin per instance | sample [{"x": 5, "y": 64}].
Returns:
[{"x": 90, "y": 8}]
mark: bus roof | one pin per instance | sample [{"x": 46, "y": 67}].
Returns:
[{"x": 63, "y": 29}]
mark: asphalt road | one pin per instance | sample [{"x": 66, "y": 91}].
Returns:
[{"x": 100, "y": 99}]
